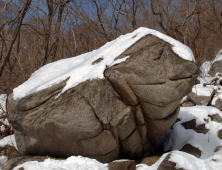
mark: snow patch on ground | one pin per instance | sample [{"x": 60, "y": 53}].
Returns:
[
  {"x": 8, "y": 140},
  {"x": 190, "y": 162},
  {"x": 71, "y": 163},
  {"x": 81, "y": 68},
  {"x": 180, "y": 136}
]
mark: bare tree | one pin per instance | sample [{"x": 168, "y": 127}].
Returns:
[{"x": 20, "y": 17}]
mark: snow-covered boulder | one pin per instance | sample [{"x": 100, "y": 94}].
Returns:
[
  {"x": 114, "y": 102},
  {"x": 201, "y": 95},
  {"x": 216, "y": 66}
]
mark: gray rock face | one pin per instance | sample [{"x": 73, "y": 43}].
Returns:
[
  {"x": 218, "y": 104},
  {"x": 9, "y": 151},
  {"x": 187, "y": 104},
  {"x": 216, "y": 67},
  {"x": 200, "y": 100},
  {"x": 121, "y": 116},
  {"x": 216, "y": 118},
  {"x": 122, "y": 165}
]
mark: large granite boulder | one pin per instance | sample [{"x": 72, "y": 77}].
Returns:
[
  {"x": 216, "y": 66},
  {"x": 201, "y": 95},
  {"x": 121, "y": 115}
]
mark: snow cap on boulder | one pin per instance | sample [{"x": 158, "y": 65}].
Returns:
[{"x": 92, "y": 65}]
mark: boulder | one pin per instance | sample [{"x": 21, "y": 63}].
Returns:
[
  {"x": 215, "y": 68},
  {"x": 150, "y": 160},
  {"x": 166, "y": 164},
  {"x": 9, "y": 151},
  {"x": 122, "y": 165},
  {"x": 216, "y": 65},
  {"x": 188, "y": 148},
  {"x": 216, "y": 118},
  {"x": 218, "y": 148},
  {"x": 187, "y": 104},
  {"x": 201, "y": 95},
  {"x": 191, "y": 124},
  {"x": 121, "y": 115},
  {"x": 219, "y": 134},
  {"x": 217, "y": 100}
]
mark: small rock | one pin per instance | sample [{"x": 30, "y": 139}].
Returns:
[
  {"x": 219, "y": 134},
  {"x": 9, "y": 151},
  {"x": 150, "y": 160},
  {"x": 217, "y": 148},
  {"x": 188, "y": 148},
  {"x": 215, "y": 118},
  {"x": 168, "y": 165},
  {"x": 197, "y": 81},
  {"x": 218, "y": 104},
  {"x": 122, "y": 165},
  {"x": 192, "y": 125},
  {"x": 187, "y": 104}
]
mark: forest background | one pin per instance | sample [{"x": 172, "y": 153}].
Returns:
[{"x": 36, "y": 32}]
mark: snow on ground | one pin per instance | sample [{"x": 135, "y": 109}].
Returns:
[
  {"x": 190, "y": 162},
  {"x": 180, "y": 136},
  {"x": 8, "y": 140},
  {"x": 81, "y": 68},
  {"x": 200, "y": 90},
  {"x": 174, "y": 140},
  {"x": 185, "y": 161},
  {"x": 71, "y": 163}
]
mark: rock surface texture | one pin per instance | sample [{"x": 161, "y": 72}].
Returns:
[
  {"x": 215, "y": 68},
  {"x": 122, "y": 115}
]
